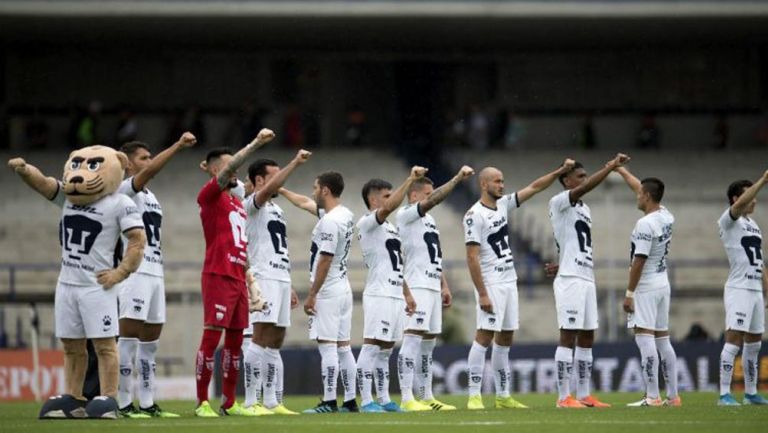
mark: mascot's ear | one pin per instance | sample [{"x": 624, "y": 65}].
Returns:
[{"x": 123, "y": 158}]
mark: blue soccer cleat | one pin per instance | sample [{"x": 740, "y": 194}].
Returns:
[
  {"x": 391, "y": 407},
  {"x": 727, "y": 400},
  {"x": 754, "y": 399},
  {"x": 372, "y": 407}
]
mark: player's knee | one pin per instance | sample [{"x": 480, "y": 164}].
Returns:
[
  {"x": 484, "y": 337},
  {"x": 74, "y": 347},
  {"x": 105, "y": 347}
]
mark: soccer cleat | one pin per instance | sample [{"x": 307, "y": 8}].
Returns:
[
  {"x": 673, "y": 402},
  {"x": 414, "y": 406},
  {"x": 349, "y": 406},
  {"x": 391, "y": 407},
  {"x": 727, "y": 400},
  {"x": 204, "y": 410},
  {"x": 237, "y": 410},
  {"x": 130, "y": 411},
  {"x": 156, "y": 412},
  {"x": 646, "y": 402},
  {"x": 591, "y": 401},
  {"x": 372, "y": 407},
  {"x": 475, "y": 402},
  {"x": 436, "y": 404},
  {"x": 278, "y": 410},
  {"x": 259, "y": 410},
  {"x": 323, "y": 407},
  {"x": 508, "y": 403},
  {"x": 569, "y": 403},
  {"x": 754, "y": 399}
]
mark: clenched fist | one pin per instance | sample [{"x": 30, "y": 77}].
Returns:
[
  {"x": 187, "y": 139},
  {"x": 466, "y": 171},
  {"x": 417, "y": 172},
  {"x": 302, "y": 156},
  {"x": 17, "y": 164},
  {"x": 265, "y": 136}
]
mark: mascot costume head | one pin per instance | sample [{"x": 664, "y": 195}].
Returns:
[{"x": 88, "y": 188}]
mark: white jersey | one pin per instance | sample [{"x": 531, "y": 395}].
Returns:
[
  {"x": 152, "y": 215},
  {"x": 572, "y": 227},
  {"x": 380, "y": 244},
  {"x": 651, "y": 238},
  {"x": 88, "y": 235},
  {"x": 488, "y": 228},
  {"x": 267, "y": 241},
  {"x": 743, "y": 243},
  {"x": 332, "y": 235},
  {"x": 421, "y": 248}
]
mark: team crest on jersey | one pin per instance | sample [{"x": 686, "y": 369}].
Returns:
[{"x": 491, "y": 320}]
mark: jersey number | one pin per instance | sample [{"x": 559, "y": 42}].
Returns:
[
  {"x": 433, "y": 247},
  {"x": 77, "y": 234},
  {"x": 499, "y": 242},
  {"x": 752, "y": 246},
  {"x": 393, "y": 248},
  {"x": 237, "y": 223},
  {"x": 312, "y": 254},
  {"x": 278, "y": 235},
  {"x": 584, "y": 234},
  {"x": 152, "y": 223}
]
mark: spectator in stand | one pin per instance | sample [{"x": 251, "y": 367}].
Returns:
[
  {"x": 355, "y": 126},
  {"x": 193, "y": 122},
  {"x": 649, "y": 134},
  {"x": 127, "y": 127},
  {"x": 292, "y": 127},
  {"x": 585, "y": 137},
  {"x": 87, "y": 127},
  {"x": 478, "y": 128},
  {"x": 515, "y": 131},
  {"x": 37, "y": 132}
]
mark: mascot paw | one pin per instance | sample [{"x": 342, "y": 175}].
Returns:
[
  {"x": 17, "y": 164},
  {"x": 102, "y": 407},
  {"x": 63, "y": 406}
]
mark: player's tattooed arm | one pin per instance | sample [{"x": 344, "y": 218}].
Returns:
[
  {"x": 398, "y": 195},
  {"x": 264, "y": 137},
  {"x": 134, "y": 254},
  {"x": 300, "y": 201},
  {"x": 46, "y": 186},
  {"x": 739, "y": 207},
  {"x": 597, "y": 177},
  {"x": 271, "y": 188},
  {"x": 142, "y": 178},
  {"x": 635, "y": 270},
  {"x": 445, "y": 292},
  {"x": 544, "y": 182},
  {"x": 439, "y": 194},
  {"x": 475, "y": 271},
  {"x": 321, "y": 273},
  {"x": 632, "y": 181}
]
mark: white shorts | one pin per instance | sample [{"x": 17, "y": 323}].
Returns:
[
  {"x": 384, "y": 318},
  {"x": 333, "y": 319},
  {"x": 505, "y": 315},
  {"x": 744, "y": 310},
  {"x": 651, "y": 309},
  {"x": 142, "y": 297},
  {"x": 277, "y": 309},
  {"x": 576, "y": 303},
  {"x": 428, "y": 316},
  {"x": 85, "y": 311}
]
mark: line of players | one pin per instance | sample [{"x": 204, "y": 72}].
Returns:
[{"x": 406, "y": 290}]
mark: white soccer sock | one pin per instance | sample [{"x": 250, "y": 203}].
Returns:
[
  {"x": 329, "y": 368},
  {"x": 476, "y": 364},
  {"x": 348, "y": 369},
  {"x": 252, "y": 373},
  {"x": 147, "y": 366},
  {"x": 279, "y": 380},
  {"x": 668, "y": 365},
  {"x": 501, "y": 373},
  {"x": 382, "y": 376},
  {"x": 269, "y": 360},
  {"x": 727, "y": 357},
  {"x": 406, "y": 362},
  {"x": 127, "y": 348},
  {"x": 583, "y": 360},
  {"x": 649, "y": 364},
  {"x": 365, "y": 362},
  {"x": 564, "y": 364},
  {"x": 749, "y": 363},
  {"x": 424, "y": 382}
]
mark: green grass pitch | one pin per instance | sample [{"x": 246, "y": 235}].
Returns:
[{"x": 699, "y": 414}]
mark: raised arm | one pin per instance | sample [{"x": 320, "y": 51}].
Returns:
[
  {"x": 300, "y": 201},
  {"x": 439, "y": 194},
  {"x": 279, "y": 179},
  {"x": 544, "y": 182},
  {"x": 739, "y": 207},
  {"x": 630, "y": 179},
  {"x": 46, "y": 186},
  {"x": 142, "y": 178},
  {"x": 597, "y": 177},
  {"x": 264, "y": 137},
  {"x": 134, "y": 254},
  {"x": 398, "y": 195}
]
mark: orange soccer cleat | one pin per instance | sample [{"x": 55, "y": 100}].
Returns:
[
  {"x": 569, "y": 403},
  {"x": 591, "y": 401}
]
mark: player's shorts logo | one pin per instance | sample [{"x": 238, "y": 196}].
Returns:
[
  {"x": 740, "y": 322},
  {"x": 491, "y": 320},
  {"x": 219, "y": 316},
  {"x": 419, "y": 321},
  {"x": 384, "y": 331},
  {"x": 137, "y": 308},
  {"x": 571, "y": 320}
]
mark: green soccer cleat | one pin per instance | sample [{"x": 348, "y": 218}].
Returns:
[
  {"x": 414, "y": 406},
  {"x": 436, "y": 404},
  {"x": 155, "y": 412},
  {"x": 205, "y": 411},
  {"x": 280, "y": 410},
  {"x": 130, "y": 411},
  {"x": 508, "y": 403},
  {"x": 475, "y": 402}
]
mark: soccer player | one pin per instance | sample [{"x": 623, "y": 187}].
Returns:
[
  {"x": 574, "y": 285},
  {"x": 424, "y": 276},
  {"x": 225, "y": 294},
  {"x": 648, "y": 291},
  {"x": 492, "y": 268},
  {"x": 271, "y": 266},
  {"x": 385, "y": 296},
  {"x": 142, "y": 295},
  {"x": 744, "y": 291},
  {"x": 329, "y": 303}
]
